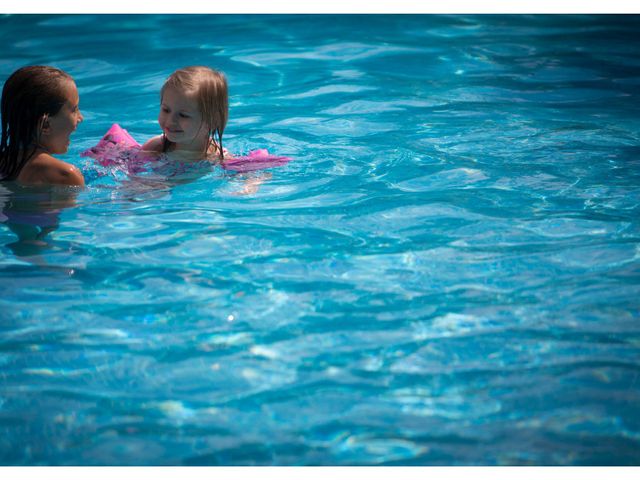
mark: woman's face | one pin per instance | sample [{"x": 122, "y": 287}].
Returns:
[{"x": 57, "y": 129}]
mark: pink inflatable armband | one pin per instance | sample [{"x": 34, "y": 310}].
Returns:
[
  {"x": 116, "y": 136},
  {"x": 119, "y": 149},
  {"x": 113, "y": 142},
  {"x": 255, "y": 160}
]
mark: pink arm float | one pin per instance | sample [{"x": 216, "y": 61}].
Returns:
[{"x": 117, "y": 147}]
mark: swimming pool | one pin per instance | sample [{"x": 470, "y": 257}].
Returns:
[{"x": 447, "y": 273}]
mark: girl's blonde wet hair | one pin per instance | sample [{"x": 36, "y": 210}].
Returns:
[{"x": 211, "y": 92}]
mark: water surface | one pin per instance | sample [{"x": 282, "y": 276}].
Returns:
[{"x": 447, "y": 273}]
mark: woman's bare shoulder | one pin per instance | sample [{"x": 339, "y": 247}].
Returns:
[{"x": 45, "y": 169}]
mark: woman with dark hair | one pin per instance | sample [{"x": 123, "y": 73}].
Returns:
[{"x": 39, "y": 113}]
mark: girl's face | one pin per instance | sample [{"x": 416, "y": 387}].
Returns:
[
  {"x": 181, "y": 121},
  {"x": 57, "y": 129}
]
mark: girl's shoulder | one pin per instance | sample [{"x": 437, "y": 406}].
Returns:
[
  {"x": 213, "y": 152},
  {"x": 45, "y": 169},
  {"x": 153, "y": 144}
]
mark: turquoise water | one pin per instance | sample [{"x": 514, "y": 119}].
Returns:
[{"x": 448, "y": 272}]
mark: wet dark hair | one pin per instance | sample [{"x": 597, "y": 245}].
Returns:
[
  {"x": 210, "y": 89},
  {"x": 29, "y": 95}
]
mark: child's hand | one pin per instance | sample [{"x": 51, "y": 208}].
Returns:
[{"x": 251, "y": 185}]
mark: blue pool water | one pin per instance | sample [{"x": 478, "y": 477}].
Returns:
[{"x": 447, "y": 273}]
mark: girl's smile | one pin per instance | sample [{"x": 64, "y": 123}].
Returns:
[{"x": 181, "y": 121}]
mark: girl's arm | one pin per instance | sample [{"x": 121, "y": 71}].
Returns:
[
  {"x": 153, "y": 145},
  {"x": 252, "y": 184}
]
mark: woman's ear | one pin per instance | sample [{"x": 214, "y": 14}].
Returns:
[{"x": 44, "y": 126}]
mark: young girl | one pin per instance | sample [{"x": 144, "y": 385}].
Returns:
[
  {"x": 194, "y": 107},
  {"x": 39, "y": 114}
]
